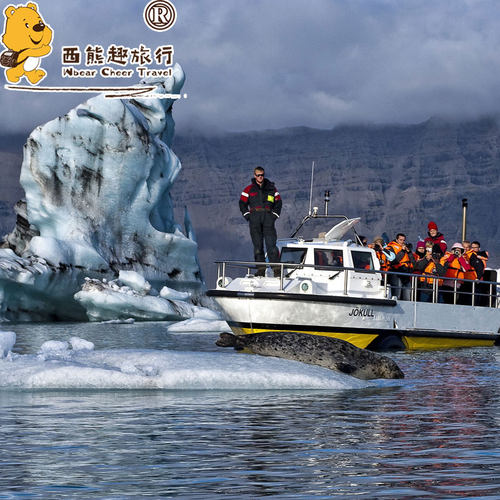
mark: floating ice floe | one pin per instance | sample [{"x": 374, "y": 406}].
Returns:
[
  {"x": 76, "y": 364},
  {"x": 7, "y": 341}
]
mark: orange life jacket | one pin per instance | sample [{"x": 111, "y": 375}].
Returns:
[
  {"x": 405, "y": 262},
  {"x": 428, "y": 276},
  {"x": 417, "y": 257},
  {"x": 382, "y": 258},
  {"x": 471, "y": 274},
  {"x": 454, "y": 267}
]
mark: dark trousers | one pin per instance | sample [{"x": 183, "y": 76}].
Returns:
[
  {"x": 400, "y": 286},
  {"x": 262, "y": 230},
  {"x": 425, "y": 295}
]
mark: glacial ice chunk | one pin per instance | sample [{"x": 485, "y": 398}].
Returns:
[
  {"x": 135, "y": 281},
  {"x": 107, "y": 302},
  {"x": 7, "y": 341},
  {"x": 97, "y": 184}
]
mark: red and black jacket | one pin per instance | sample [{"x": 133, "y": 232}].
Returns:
[
  {"x": 438, "y": 239},
  {"x": 265, "y": 198}
]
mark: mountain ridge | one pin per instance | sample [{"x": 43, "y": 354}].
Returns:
[{"x": 397, "y": 177}]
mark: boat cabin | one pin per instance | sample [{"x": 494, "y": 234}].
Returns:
[{"x": 319, "y": 267}]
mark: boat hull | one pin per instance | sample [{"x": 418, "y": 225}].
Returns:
[{"x": 363, "y": 322}]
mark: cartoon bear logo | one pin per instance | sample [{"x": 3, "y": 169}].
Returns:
[{"x": 28, "y": 39}]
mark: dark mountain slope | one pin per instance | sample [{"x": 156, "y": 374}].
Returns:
[{"x": 397, "y": 178}]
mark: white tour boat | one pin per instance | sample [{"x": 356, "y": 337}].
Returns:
[{"x": 334, "y": 287}]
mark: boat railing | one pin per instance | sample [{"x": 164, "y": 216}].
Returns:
[{"x": 462, "y": 291}]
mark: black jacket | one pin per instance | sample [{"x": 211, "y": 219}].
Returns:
[{"x": 255, "y": 198}]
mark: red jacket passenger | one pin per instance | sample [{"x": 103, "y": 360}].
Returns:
[{"x": 436, "y": 237}]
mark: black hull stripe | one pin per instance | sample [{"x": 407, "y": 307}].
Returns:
[
  {"x": 299, "y": 297},
  {"x": 366, "y": 331}
]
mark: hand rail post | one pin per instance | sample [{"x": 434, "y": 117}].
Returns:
[{"x": 414, "y": 288}]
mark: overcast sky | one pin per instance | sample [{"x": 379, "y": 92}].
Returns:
[{"x": 259, "y": 64}]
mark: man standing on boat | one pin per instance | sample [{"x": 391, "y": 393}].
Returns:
[{"x": 260, "y": 204}]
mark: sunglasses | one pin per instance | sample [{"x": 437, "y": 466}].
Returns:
[{"x": 259, "y": 175}]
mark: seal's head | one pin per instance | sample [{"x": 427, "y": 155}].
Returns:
[
  {"x": 382, "y": 367},
  {"x": 230, "y": 340}
]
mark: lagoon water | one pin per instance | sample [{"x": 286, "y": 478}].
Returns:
[{"x": 150, "y": 413}]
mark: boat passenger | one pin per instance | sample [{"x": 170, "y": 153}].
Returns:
[
  {"x": 418, "y": 255},
  {"x": 384, "y": 257},
  {"x": 260, "y": 204},
  {"x": 466, "y": 245},
  {"x": 482, "y": 255},
  {"x": 435, "y": 236},
  {"x": 430, "y": 267},
  {"x": 419, "y": 252},
  {"x": 457, "y": 267},
  {"x": 477, "y": 260},
  {"x": 402, "y": 263}
]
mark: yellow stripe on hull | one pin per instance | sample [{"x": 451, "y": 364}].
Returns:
[
  {"x": 361, "y": 340},
  {"x": 430, "y": 343}
]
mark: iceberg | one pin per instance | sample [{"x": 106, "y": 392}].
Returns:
[{"x": 97, "y": 184}]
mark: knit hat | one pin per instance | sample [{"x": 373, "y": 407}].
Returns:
[
  {"x": 378, "y": 238},
  {"x": 458, "y": 245},
  {"x": 432, "y": 225},
  {"x": 420, "y": 244}
]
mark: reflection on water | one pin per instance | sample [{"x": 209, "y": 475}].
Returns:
[{"x": 436, "y": 435}]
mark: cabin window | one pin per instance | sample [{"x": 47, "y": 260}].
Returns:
[
  {"x": 328, "y": 258},
  {"x": 362, "y": 260},
  {"x": 292, "y": 255}
]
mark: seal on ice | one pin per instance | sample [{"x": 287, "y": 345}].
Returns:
[{"x": 328, "y": 352}]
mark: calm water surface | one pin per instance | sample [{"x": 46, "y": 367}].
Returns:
[{"x": 434, "y": 436}]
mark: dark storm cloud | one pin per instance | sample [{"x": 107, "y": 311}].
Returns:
[{"x": 267, "y": 64}]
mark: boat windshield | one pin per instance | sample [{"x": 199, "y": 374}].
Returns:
[{"x": 292, "y": 255}]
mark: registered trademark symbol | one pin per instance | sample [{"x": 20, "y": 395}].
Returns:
[{"x": 160, "y": 15}]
